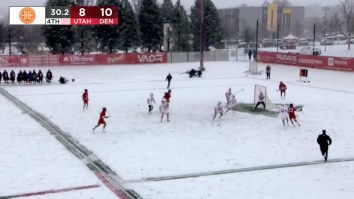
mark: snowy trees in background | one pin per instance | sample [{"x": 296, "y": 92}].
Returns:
[
  {"x": 2, "y": 35},
  {"x": 347, "y": 7},
  {"x": 248, "y": 33},
  {"x": 28, "y": 38},
  {"x": 211, "y": 24},
  {"x": 59, "y": 39},
  {"x": 107, "y": 36},
  {"x": 127, "y": 26},
  {"x": 181, "y": 28},
  {"x": 167, "y": 11},
  {"x": 150, "y": 21}
]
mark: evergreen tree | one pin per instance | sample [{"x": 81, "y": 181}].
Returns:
[
  {"x": 84, "y": 35},
  {"x": 59, "y": 39},
  {"x": 128, "y": 26},
  {"x": 150, "y": 21},
  {"x": 107, "y": 36},
  {"x": 167, "y": 11},
  {"x": 181, "y": 29},
  {"x": 211, "y": 24},
  {"x": 2, "y": 35}
]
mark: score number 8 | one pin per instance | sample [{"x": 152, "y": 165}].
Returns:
[
  {"x": 82, "y": 12},
  {"x": 104, "y": 12}
]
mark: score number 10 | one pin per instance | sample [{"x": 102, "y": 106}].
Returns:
[{"x": 105, "y": 12}]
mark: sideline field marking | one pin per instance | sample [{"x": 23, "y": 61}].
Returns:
[
  {"x": 52, "y": 191},
  {"x": 240, "y": 170}
]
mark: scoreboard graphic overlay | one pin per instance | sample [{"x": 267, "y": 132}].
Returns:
[{"x": 64, "y": 15}]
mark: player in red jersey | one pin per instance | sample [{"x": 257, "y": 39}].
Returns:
[
  {"x": 85, "y": 99},
  {"x": 282, "y": 89},
  {"x": 167, "y": 96},
  {"x": 101, "y": 120},
  {"x": 291, "y": 111}
]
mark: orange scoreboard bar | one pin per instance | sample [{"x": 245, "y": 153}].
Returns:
[{"x": 64, "y": 15}]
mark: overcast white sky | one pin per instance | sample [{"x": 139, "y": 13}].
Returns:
[{"x": 4, "y": 4}]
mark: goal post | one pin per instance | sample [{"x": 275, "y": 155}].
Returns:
[
  {"x": 253, "y": 68},
  {"x": 257, "y": 90}
]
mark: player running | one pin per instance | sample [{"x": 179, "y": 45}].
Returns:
[
  {"x": 165, "y": 106},
  {"x": 232, "y": 104},
  {"x": 284, "y": 114},
  {"x": 85, "y": 99},
  {"x": 101, "y": 120},
  {"x": 228, "y": 95},
  {"x": 282, "y": 89},
  {"x": 151, "y": 102},
  {"x": 292, "y": 116},
  {"x": 218, "y": 110}
]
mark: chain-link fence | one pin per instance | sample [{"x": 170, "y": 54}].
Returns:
[{"x": 218, "y": 55}]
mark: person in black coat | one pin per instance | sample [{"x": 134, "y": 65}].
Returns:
[
  {"x": 169, "y": 78},
  {"x": 34, "y": 76},
  {"x": 249, "y": 54},
  {"x": 268, "y": 68},
  {"x": 12, "y": 76},
  {"x": 19, "y": 77},
  {"x": 63, "y": 80},
  {"x": 324, "y": 141},
  {"x": 24, "y": 77},
  {"x": 40, "y": 76},
  {"x": 49, "y": 76},
  {"x": 5, "y": 76}
]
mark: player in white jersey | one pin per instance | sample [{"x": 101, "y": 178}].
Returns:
[
  {"x": 283, "y": 110},
  {"x": 218, "y": 110},
  {"x": 228, "y": 95},
  {"x": 165, "y": 106},
  {"x": 151, "y": 102},
  {"x": 261, "y": 98},
  {"x": 232, "y": 104}
]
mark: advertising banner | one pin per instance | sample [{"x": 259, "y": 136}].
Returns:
[{"x": 311, "y": 61}]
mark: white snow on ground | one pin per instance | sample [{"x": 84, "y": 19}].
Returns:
[
  {"x": 32, "y": 160},
  {"x": 325, "y": 181},
  {"x": 136, "y": 145},
  {"x": 331, "y": 50}
]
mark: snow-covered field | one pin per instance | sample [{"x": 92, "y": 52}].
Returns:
[
  {"x": 32, "y": 161},
  {"x": 137, "y": 146}
]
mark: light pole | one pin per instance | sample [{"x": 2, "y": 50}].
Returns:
[
  {"x": 314, "y": 39},
  {"x": 9, "y": 35},
  {"x": 255, "y": 55},
  {"x": 202, "y": 36},
  {"x": 325, "y": 33},
  {"x": 278, "y": 38},
  {"x": 82, "y": 40},
  {"x": 21, "y": 44},
  {"x": 349, "y": 33}
]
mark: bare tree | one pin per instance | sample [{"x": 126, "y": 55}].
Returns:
[
  {"x": 229, "y": 28},
  {"x": 347, "y": 7},
  {"x": 333, "y": 24},
  {"x": 28, "y": 38},
  {"x": 2, "y": 35},
  {"x": 248, "y": 33}
]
